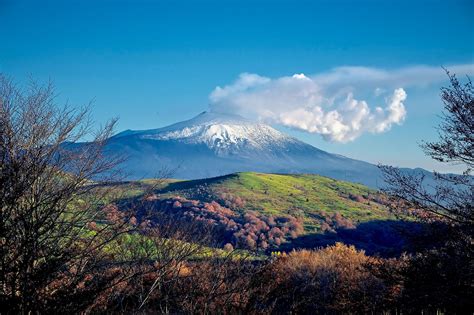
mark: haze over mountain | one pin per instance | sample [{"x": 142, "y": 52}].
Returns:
[{"x": 213, "y": 144}]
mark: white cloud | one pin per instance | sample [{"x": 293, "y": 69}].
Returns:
[
  {"x": 325, "y": 103},
  {"x": 420, "y": 75}
]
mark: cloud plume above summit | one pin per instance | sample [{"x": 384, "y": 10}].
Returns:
[{"x": 335, "y": 104}]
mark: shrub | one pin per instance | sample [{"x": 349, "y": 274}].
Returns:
[{"x": 336, "y": 279}]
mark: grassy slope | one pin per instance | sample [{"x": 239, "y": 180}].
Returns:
[
  {"x": 277, "y": 194},
  {"x": 304, "y": 196}
]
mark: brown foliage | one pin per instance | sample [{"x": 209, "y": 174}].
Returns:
[
  {"x": 335, "y": 221},
  {"x": 217, "y": 285},
  {"x": 251, "y": 230},
  {"x": 357, "y": 198},
  {"x": 335, "y": 280}
]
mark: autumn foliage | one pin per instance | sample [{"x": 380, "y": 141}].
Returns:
[
  {"x": 249, "y": 230},
  {"x": 336, "y": 279}
]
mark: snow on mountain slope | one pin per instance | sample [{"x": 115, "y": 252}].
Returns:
[
  {"x": 213, "y": 144},
  {"x": 224, "y": 134}
]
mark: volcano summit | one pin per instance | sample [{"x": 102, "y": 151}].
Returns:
[{"x": 213, "y": 144}]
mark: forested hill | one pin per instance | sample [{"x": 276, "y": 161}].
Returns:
[{"x": 271, "y": 212}]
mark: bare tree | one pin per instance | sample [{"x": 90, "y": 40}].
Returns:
[
  {"x": 456, "y": 132},
  {"x": 169, "y": 264},
  {"x": 451, "y": 197},
  {"x": 441, "y": 277},
  {"x": 45, "y": 200}
]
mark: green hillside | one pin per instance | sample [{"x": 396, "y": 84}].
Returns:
[
  {"x": 306, "y": 196},
  {"x": 268, "y": 212}
]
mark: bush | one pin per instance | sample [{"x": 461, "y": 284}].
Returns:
[{"x": 336, "y": 279}]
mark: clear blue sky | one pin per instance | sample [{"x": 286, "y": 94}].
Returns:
[{"x": 152, "y": 63}]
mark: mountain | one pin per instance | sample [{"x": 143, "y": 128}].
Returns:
[{"x": 213, "y": 144}]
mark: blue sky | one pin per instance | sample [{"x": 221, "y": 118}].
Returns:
[{"x": 152, "y": 63}]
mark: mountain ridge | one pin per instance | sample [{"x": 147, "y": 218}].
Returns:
[{"x": 213, "y": 144}]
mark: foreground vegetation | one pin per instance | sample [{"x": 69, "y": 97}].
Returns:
[{"x": 74, "y": 239}]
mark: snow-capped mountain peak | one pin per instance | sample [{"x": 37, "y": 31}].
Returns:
[
  {"x": 223, "y": 133},
  {"x": 213, "y": 144}
]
